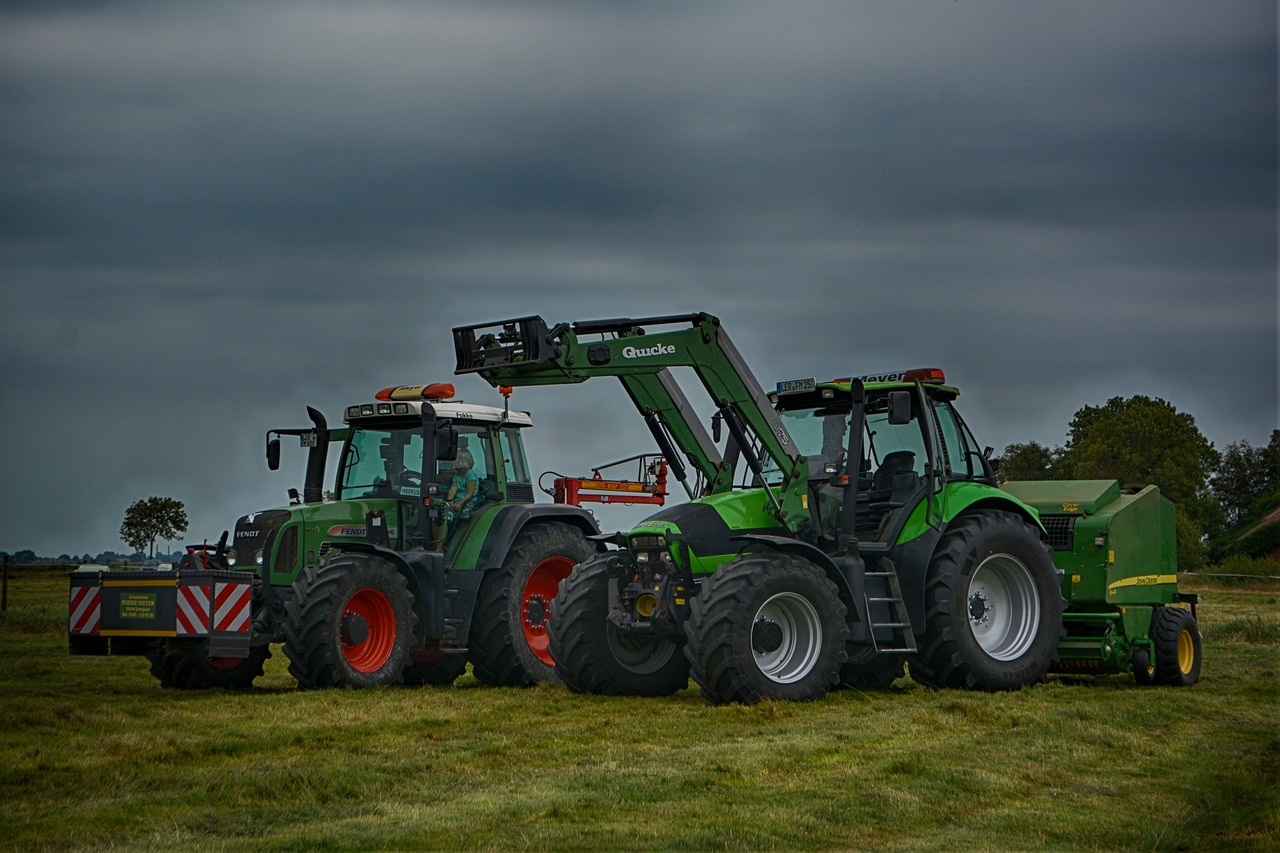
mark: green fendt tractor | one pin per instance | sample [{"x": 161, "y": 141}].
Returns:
[
  {"x": 866, "y": 530},
  {"x": 430, "y": 552}
]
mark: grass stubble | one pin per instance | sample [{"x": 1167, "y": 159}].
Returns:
[{"x": 95, "y": 755}]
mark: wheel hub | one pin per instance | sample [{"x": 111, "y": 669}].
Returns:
[
  {"x": 979, "y": 607},
  {"x": 766, "y": 636},
  {"x": 535, "y": 611},
  {"x": 355, "y": 629}
]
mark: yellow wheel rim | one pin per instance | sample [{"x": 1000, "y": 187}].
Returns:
[{"x": 1186, "y": 651}]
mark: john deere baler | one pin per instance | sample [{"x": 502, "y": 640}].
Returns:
[{"x": 1116, "y": 548}]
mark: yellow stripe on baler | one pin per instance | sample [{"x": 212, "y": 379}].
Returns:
[{"x": 1142, "y": 580}]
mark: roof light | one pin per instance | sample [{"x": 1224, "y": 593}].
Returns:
[
  {"x": 434, "y": 391},
  {"x": 932, "y": 375}
]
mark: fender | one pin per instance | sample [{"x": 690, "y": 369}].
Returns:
[
  {"x": 915, "y": 546},
  {"x": 424, "y": 572},
  {"x": 513, "y": 518}
]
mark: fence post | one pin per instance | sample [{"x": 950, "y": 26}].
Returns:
[{"x": 4, "y": 586}]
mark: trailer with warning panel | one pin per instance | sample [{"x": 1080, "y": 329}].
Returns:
[{"x": 427, "y": 554}]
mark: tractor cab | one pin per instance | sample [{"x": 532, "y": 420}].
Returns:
[
  {"x": 912, "y": 443},
  {"x": 477, "y": 458}
]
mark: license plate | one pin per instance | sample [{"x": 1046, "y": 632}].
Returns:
[{"x": 797, "y": 386}]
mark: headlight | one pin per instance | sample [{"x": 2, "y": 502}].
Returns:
[
  {"x": 257, "y": 556},
  {"x": 231, "y": 556}
]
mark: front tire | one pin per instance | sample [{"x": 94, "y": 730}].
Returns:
[
  {"x": 593, "y": 656},
  {"x": 767, "y": 626},
  {"x": 1178, "y": 647},
  {"x": 349, "y": 624},
  {"x": 509, "y": 642},
  {"x": 993, "y": 606},
  {"x": 189, "y": 673}
]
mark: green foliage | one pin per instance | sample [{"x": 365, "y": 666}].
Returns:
[
  {"x": 1245, "y": 474},
  {"x": 1030, "y": 461},
  {"x": 155, "y": 518},
  {"x": 1145, "y": 440},
  {"x": 1251, "y": 536},
  {"x": 1192, "y": 551}
]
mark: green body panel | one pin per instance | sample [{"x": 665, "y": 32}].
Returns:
[
  {"x": 1122, "y": 550},
  {"x": 462, "y": 552},
  {"x": 339, "y": 521},
  {"x": 333, "y": 522},
  {"x": 743, "y": 511},
  {"x": 1116, "y": 550}
]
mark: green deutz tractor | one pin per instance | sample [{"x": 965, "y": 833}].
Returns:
[
  {"x": 866, "y": 530},
  {"x": 430, "y": 553}
]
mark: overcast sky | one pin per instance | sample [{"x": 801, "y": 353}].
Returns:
[{"x": 215, "y": 214}]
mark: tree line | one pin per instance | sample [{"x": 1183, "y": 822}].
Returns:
[{"x": 1219, "y": 495}]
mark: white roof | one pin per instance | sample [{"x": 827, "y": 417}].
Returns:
[{"x": 456, "y": 410}]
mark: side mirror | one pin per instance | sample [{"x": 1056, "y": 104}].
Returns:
[
  {"x": 899, "y": 407},
  {"x": 446, "y": 444},
  {"x": 273, "y": 453}
]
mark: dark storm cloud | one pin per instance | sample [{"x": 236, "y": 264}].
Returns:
[{"x": 212, "y": 215}]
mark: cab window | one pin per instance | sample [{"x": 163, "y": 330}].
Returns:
[
  {"x": 963, "y": 459},
  {"x": 513, "y": 461}
]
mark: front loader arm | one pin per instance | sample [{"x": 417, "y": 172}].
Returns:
[{"x": 525, "y": 351}]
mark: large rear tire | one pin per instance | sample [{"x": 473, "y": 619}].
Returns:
[
  {"x": 1178, "y": 647},
  {"x": 188, "y": 673},
  {"x": 767, "y": 626},
  {"x": 349, "y": 624},
  {"x": 593, "y": 656},
  {"x": 509, "y": 642},
  {"x": 993, "y": 606}
]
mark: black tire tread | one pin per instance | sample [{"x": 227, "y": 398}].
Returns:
[
  {"x": 717, "y": 660},
  {"x": 1167, "y": 623},
  {"x": 495, "y": 623},
  {"x": 309, "y": 644},
  {"x": 940, "y": 661},
  {"x": 580, "y": 648},
  {"x": 187, "y": 673}
]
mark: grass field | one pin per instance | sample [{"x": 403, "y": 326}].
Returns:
[{"x": 95, "y": 755}]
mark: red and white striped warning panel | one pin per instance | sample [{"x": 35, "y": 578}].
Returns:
[
  {"x": 85, "y": 609},
  {"x": 193, "y": 610},
  {"x": 231, "y": 609}
]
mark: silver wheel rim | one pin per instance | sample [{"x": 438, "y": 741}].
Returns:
[
  {"x": 639, "y": 655},
  {"x": 797, "y": 631},
  {"x": 1004, "y": 609}
]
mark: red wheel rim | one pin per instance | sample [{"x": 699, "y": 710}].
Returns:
[
  {"x": 374, "y": 607},
  {"x": 225, "y": 663},
  {"x": 535, "y": 603}
]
